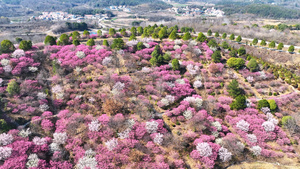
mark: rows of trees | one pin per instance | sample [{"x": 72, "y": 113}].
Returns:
[
  {"x": 89, "y": 11},
  {"x": 272, "y": 44},
  {"x": 104, "y": 3},
  {"x": 262, "y": 10}
]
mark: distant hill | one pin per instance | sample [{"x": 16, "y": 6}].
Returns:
[
  {"x": 10, "y": 8},
  {"x": 58, "y": 4},
  {"x": 266, "y": 9}
]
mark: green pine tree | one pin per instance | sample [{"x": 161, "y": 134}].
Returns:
[
  {"x": 209, "y": 33},
  {"x": 201, "y": 37},
  {"x": 173, "y": 35},
  {"x": 239, "y": 39},
  {"x": 233, "y": 89},
  {"x": 187, "y": 36},
  {"x": 224, "y": 36},
  {"x": 132, "y": 37},
  {"x": 99, "y": 32},
  {"x": 280, "y": 46},
  {"x": 105, "y": 43},
  {"x": 252, "y": 65},
  {"x": 217, "y": 34},
  {"x": 49, "y": 40},
  {"x": 232, "y": 37},
  {"x": 216, "y": 56},
  {"x": 255, "y": 41},
  {"x": 76, "y": 42},
  {"x": 90, "y": 42},
  {"x": 13, "y": 87},
  {"x": 291, "y": 49},
  {"x": 272, "y": 44},
  {"x": 175, "y": 64}
]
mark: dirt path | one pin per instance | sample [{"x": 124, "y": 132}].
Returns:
[{"x": 242, "y": 80}]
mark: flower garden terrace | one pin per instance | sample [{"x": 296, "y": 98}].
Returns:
[{"x": 164, "y": 102}]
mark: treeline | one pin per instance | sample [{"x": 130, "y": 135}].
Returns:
[
  {"x": 160, "y": 18},
  {"x": 262, "y": 10},
  {"x": 104, "y": 3},
  {"x": 283, "y": 27},
  {"x": 181, "y": 1},
  {"x": 77, "y": 26},
  {"x": 88, "y": 11},
  {"x": 99, "y": 3},
  {"x": 13, "y": 2},
  {"x": 159, "y": 5},
  {"x": 272, "y": 11},
  {"x": 231, "y": 3}
]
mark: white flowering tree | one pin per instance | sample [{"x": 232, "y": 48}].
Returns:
[
  {"x": 5, "y": 62},
  {"x": 7, "y": 69},
  {"x": 92, "y": 100},
  {"x": 197, "y": 51},
  {"x": 268, "y": 126},
  {"x": 111, "y": 144},
  {"x": 25, "y": 133},
  {"x": 224, "y": 154},
  {"x": 165, "y": 102},
  {"x": 217, "y": 125},
  {"x": 252, "y": 138},
  {"x": 265, "y": 110},
  {"x": 98, "y": 47},
  {"x": 6, "y": 139},
  {"x": 146, "y": 70},
  {"x": 243, "y": 125},
  {"x": 151, "y": 126},
  {"x": 117, "y": 88},
  {"x": 32, "y": 69},
  {"x": 169, "y": 99},
  {"x": 193, "y": 69},
  {"x": 177, "y": 42},
  {"x": 90, "y": 153},
  {"x": 41, "y": 95},
  {"x": 130, "y": 123},
  {"x": 5, "y": 152},
  {"x": 204, "y": 149},
  {"x": 158, "y": 139},
  {"x": 80, "y": 54},
  {"x": 58, "y": 91},
  {"x": 147, "y": 40},
  {"x": 87, "y": 162},
  {"x": 39, "y": 141},
  {"x": 60, "y": 138},
  {"x": 124, "y": 134},
  {"x": 18, "y": 53},
  {"x": 256, "y": 150},
  {"x": 180, "y": 81},
  {"x": 240, "y": 145},
  {"x": 54, "y": 147},
  {"x": 188, "y": 114},
  {"x": 197, "y": 84},
  {"x": 194, "y": 101},
  {"x": 271, "y": 118},
  {"x": 106, "y": 61},
  {"x": 250, "y": 79},
  {"x": 176, "y": 47},
  {"x": 33, "y": 161},
  {"x": 44, "y": 107},
  {"x": 193, "y": 43},
  {"x": 132, "y": 43},
  {"x": 94, "y": 125}
]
